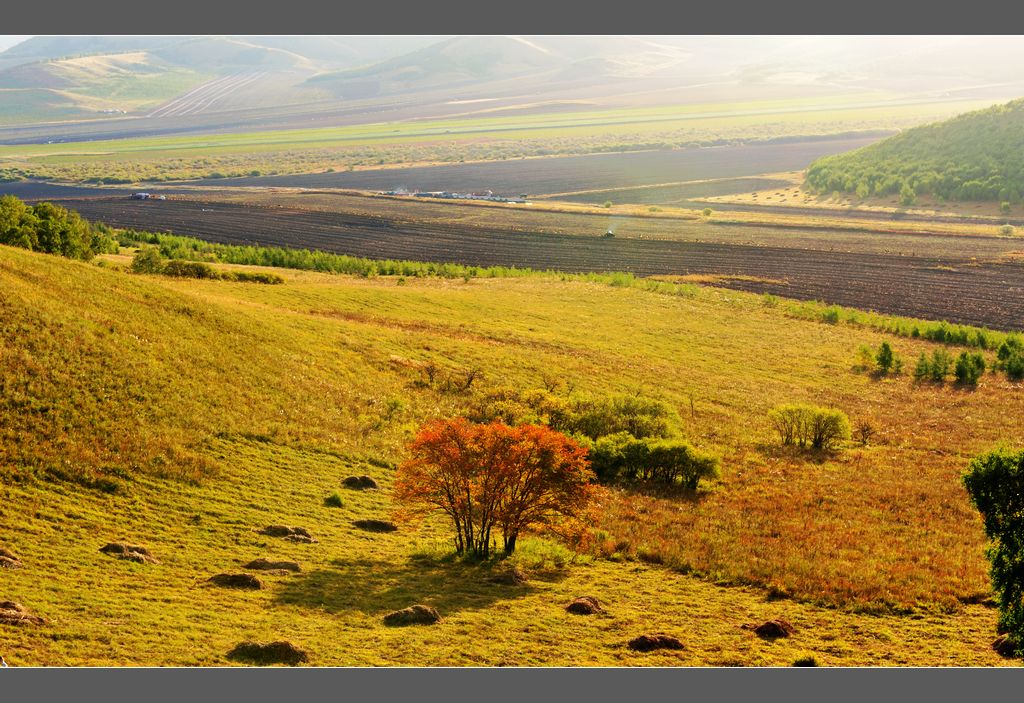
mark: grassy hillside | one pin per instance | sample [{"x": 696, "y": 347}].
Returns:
[
  {"x": 976, "y": 156},
  {"x": 92, "y": 86},
  {"x": 184, "y": 415}
]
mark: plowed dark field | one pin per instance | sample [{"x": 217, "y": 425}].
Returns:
[
  {"x": 988, "y": 294},
  {"x": 576, "y": 173}
]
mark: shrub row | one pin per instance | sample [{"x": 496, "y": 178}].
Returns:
[{"x": 149, "y": 260}]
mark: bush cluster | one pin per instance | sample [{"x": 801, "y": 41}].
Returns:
[
  {"x": 150, "y": 260},
  {"x": 51, "y": 229},
  {"x": 623, "y": 457},
  {"x": 810, "y": 426},
  {"x": 629, "y": 437}
]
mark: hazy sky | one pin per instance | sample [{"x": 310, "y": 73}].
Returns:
[{"x": 9, "y": 40}]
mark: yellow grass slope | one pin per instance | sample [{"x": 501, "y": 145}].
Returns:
[{"x": 186, "y": 415}]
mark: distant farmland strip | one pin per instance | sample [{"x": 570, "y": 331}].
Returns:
[
  {"x": 930, "y": 287},
  {"x": 677, "y": 194},
  {"x": 577, "y": 173}
]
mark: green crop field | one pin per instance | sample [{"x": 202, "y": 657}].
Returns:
[
  {"x": 463, "y": 139},
  {"x": 185, "y": 415}
]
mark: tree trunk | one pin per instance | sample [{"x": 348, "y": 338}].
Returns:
[{"x": 510, "y": 544}]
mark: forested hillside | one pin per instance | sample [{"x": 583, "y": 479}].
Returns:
[{"x": 976, "y": 156}]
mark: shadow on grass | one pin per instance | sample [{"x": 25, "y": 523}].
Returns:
[
  {"x": 372, "y": 587},
  {"x": 685, "y": 495},
  {"x": 795, "y": 453}
]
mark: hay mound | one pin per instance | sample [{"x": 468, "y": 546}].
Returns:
[
  {"x": 263, "y": 564},
  {"x": 648, "y": 643},
  {"x": 12, "y": 613},
  {"x": 8, "y": 560},
  {"x": 773, "y": 629},
  {"x": 413, "y": 615},
  {"x": 236, "y": 581},
  {"x": 1005, "y": 646},
  {"x": 511, "y": 577},
  {"x": 272, "y": 653},
  {"x": 585, "y": 605},
  {"x": 292, "y": 534},
  {"x": 128, "y": 552},
  {"x": 376, "y": 525},
  {"x": 360, "y": 483}
]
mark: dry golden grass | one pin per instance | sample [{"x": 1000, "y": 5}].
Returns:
[{"x": 135, "y": 379}]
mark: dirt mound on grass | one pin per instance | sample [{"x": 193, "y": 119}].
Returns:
[
  {"x": 648, "y": 643},
  {"x": 236, "y": 581},
  {"x": 1005, "y": 646},
  {"x": 413, "y": 615},
  {"x": 585, "y": 605},
  {"x": 510, "y": 577},
  {"x": 129, "y": 552},
  {"x": 772, "y": 629},
  {"x": 360, "y": 483},
  {"x": 376, "y": 525},
  {"x": 12, "y": 613},
  {"x": 263, "y": 564},
  {"x": 292, "y": 534},
  {"x": 282, "y": 652},
  {"x": 8, "y": 560}
]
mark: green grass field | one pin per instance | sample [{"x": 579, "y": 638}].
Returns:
[
  {"x": 471, "y": 138},
  {"x": 184, "y": 415}
]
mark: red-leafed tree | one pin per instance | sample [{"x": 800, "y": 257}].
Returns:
[{"x": 493, "y": 478}]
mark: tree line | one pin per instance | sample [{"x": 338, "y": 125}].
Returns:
[
  {"x": 976, "y": 156},
  {"x": 52, "y": 229}
]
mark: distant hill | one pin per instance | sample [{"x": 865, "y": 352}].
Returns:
[
  {"x": 976, "y": 156},
  {"x": 90, "y": 77},
  {"x": 91, "y": 86},
  {"x": 451, "y": 62}
]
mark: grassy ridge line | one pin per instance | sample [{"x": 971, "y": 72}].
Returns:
[{"x": 193, "y": 249}]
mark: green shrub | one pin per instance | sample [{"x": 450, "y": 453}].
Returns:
[
  {"x": 830, "y": 315},
  {"x": 148, "y": 260},
  {"x": 939, "y": 365},
  {"x": 189, "y": 269},
  {"x": 923, "y": 368},
  {"x": 637, "y": 415},
  {"x": 995, "y": 483},
  {"x": 334, "y": 500},
  {"x": 809, "y": 426},
  {"x": 623, "y": 457},
  {"x": 1014, "y": 367},
  {"x": 515, "y": 406},
  {"x": 865, "y": 358},
  {"x": 969, "y": 368},
  {"x": 886, "y": 359},
  {"x": 252, "y": 277}
]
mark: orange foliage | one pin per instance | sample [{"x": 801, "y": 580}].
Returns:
[{"x": 494, "y": 478}]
